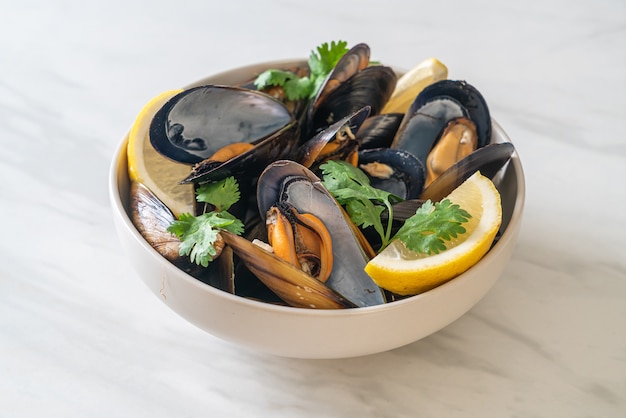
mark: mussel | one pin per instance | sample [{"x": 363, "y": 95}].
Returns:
[
  {"x": 488, "y": 160},
  {"x": 353, "y": 61},
  {"x": 301, "y": 239},
  {"x": 338, "y": 141},
  {"x": 350, "y": 86},
  {"x": 199, "y": 123},
  {"x": 451, "y": 113},
  {"x": 291, "y": 284},
  {"x": 289, "y": 183},
  {"x": 372, "y": 86},
  {"x": 393, "y": 170}
]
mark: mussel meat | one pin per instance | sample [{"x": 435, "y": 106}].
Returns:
[{"x": 301, "y": 239}]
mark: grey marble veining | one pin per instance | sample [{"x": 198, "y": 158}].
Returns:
[{"x": 80, "y": 335}]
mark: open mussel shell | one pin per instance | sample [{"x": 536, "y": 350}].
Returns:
[
  {"x": 436, "y": 106},
  {"x": 199, "y": 121},
  {"x": 289, "y": 283},
  {"x": 250, "y": 163},
  {"x": 310, "y": 153},
  {"x": 291, "y": 182},
  {"x": 372, "y": 86},
  {"x": 393, "y": 170},
  {"x": 488, "y": 160}
]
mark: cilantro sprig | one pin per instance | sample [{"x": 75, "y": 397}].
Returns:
[
  {"x": 321, "y": 62},
  {"x": 198, "y": 234},
  {"x": 364, "y": 203},
  {"x": 432, "y": 224},
  {"x": 424, "y": 232}
]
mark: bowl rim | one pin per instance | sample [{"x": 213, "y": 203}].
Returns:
[{"x": 119, "y": 165}]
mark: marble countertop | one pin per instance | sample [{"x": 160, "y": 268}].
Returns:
[{"x": 80, "y": 334}]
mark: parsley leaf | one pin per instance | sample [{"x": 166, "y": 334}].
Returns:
[
  {"x": 198, "y": 234},
  {"x": 321, "y": 62},
  {"x": 432, "y": 224}
]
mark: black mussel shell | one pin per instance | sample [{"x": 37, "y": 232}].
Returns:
[
  {"x": 393, "y": 170},
  {"x": 308, "y": 154},
  {"x": 250, "y": 163},
  {"x": 488, "y": 160},
  {"x": 289, "y": 283},
  {"x": 378, "y": 131},
  {"x": 433, "y": 108},
  {"x": 372, "y": 86},
  {"x": 469, "y": 97},
  {"x": 419, "y": 132},
  {"x": 293, "y": 183},
  {"x": 195, "y": 123},
  {"x": 353, "y": 61}
]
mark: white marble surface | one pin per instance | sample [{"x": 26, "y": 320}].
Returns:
[{"x": 80, "y": 335}]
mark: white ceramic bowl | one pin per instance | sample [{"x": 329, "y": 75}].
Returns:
[{"x": 309, "y": 333}]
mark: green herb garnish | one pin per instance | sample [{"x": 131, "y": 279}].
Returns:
[
  {"x": 364, "y": 203},
  {"x": 199, "y": 233},
  {"x": 321, "y": 62},
  {"x": 424, "y": 232},
  {"x": 432, "y": 224},
  {"x": 221, "y": 194}
]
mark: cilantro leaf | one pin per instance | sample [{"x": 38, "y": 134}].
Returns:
[
  {"x": 364, "y": 203},
  {"x": 222, "y": 194},
  {"x": 235, "y": 226},
  {"x": 273, "y": 78},
  {"x": 199, "y": 233},
  {"x": 432, "y": 224},
  {"x": 295, "y": 87},
  {"x": 298, "y": 87},
  {"x": 321, "y": 62},
  {"x": 327, "y": 57},
  {"x": 364, "y": 213}
]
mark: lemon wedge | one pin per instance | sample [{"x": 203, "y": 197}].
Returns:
[
  {"x": 405, "y": 272},
  {"x": 413, "y": 82},
  {"x": 157, "y": 173}
]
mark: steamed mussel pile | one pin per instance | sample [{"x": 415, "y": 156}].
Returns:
[{"x": 298, "y": 246}]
